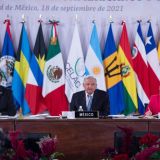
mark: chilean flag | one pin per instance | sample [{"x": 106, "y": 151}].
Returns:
[{"x": 152, "y": 58}]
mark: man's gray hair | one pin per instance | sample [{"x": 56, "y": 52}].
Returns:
[{"x": 90, "y": 77}]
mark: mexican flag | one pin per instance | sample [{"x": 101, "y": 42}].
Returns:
[{"x": 53, "y": 83}]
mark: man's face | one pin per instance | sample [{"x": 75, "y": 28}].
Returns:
[{"x": 90, "y": 85}]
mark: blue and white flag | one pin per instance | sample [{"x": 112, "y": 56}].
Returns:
[
  {"x": 8, "y": 58},
  {"x": 93, "y": 61}
]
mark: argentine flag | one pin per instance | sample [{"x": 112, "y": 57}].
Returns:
[{"x": 93, "y": 61}]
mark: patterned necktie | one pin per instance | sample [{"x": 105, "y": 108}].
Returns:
[{"x": 89, "y": 102}]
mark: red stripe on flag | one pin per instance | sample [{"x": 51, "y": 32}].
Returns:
[
  {"x": 35, "y": 99},
  {"x": 56, "y": 101}
]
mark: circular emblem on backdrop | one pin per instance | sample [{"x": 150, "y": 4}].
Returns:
[
  {"x": 125, "y": 70},
  {"x": 79, "y": 67},
  {"x": 96, "y": 70},
  {"x": 6, "y": 70},
  {"x": 54, "y": 73},
  {"x": 134, "y": 52}
]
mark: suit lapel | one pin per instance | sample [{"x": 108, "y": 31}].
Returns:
[{"x": 83, "y": 98}]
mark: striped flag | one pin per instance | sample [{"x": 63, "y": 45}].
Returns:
[
  {"x": 75, "y": 68},
  {"x": 113, "y": 75},
  {"x": 128, "y": 77},
  {"x": 21, "y": 71},
  {"x": 7, "y": 58},
  {"x": 141, "y": 70},
  {"x": 159, "y": 52},
  {"x": 53, "y": 84},
  {"x": 93, "y": 61},
  {"x": 153, "y": 64},
  {"x": 35, "y": 76}
]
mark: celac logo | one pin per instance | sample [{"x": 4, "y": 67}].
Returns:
[
  {"x": 54, "y": 73},
  {"x": 79, "y": 67}
]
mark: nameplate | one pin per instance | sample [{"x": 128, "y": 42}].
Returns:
[{"x": 86, "y": 114}]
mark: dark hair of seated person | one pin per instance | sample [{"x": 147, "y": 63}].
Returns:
[{"x": 7, "y": 106}]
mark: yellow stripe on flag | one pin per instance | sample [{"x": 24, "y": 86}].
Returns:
[
  {"x": 128, "y": 77},
  {"x": 112, "y": 70},
  {"x": 159, "y": 52},
  {"x": 24, "y": 68}
]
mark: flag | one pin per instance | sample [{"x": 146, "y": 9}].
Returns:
[
  {"x": 128, "y": 77},
  {"x": 159, "y": 52},
  {"x": 53, "y": 84},
  {"x": 21, "y": 71},
  {"x": 153, "y": 64},
  {"x": 35, "y": 76},
  {"x": 75, "y": 68},
  {"x": 141, "y": 70},
  {"x": 7, "y": 58},
  {"x": 94, "y": 55},
  {"x": 113, "y": 75}
]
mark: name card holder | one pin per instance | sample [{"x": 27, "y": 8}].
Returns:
[{"x": 87, "y": 114}]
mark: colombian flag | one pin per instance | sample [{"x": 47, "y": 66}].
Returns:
[{"x": 128, "y": 77}]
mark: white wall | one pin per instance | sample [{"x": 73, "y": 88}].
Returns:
[{"x": 65, "y": 11}]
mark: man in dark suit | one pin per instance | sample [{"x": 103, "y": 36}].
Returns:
[
  {"x": 91, "y": 99},
  {"x": 7, "y": 106}
]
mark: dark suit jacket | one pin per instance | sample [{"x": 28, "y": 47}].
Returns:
[
  {"x": 100, "y": 102},
  {"x": 7, "y": 106}
]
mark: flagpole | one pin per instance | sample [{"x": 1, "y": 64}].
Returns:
[
  {"x": 139, "y": 21},
  {"x": 149, "y": 21},
  {"x": 110, "y": 19},
  {"x": 23, "y": 19},
  {"x": 40, "y": 19},
  {"x": 123, "y": 21}
]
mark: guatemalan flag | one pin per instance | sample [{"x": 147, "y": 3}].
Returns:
[
  {"x": 152, "y": 58},
  {"x": 8, "y": 58},
  {"x": 93, "y": 61},
  {"x": 140, "y": 66}
]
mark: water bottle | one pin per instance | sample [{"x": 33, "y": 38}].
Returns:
[{"x": 80, "y": 109}]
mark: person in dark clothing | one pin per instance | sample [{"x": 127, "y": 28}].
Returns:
[
  {"x": 91, "y": 98},
  {"x": 7, "y": 106}
]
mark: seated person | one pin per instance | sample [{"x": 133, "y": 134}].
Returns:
[
  {"x": 7, "y": 106},
  {"x": 154, "y": 105},
  {"x": 91, "y": 99}
]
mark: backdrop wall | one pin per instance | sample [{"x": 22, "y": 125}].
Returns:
[{"x": 87, "y": 10}]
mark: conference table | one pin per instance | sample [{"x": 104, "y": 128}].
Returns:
[{"x": 81, "y": 139}]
